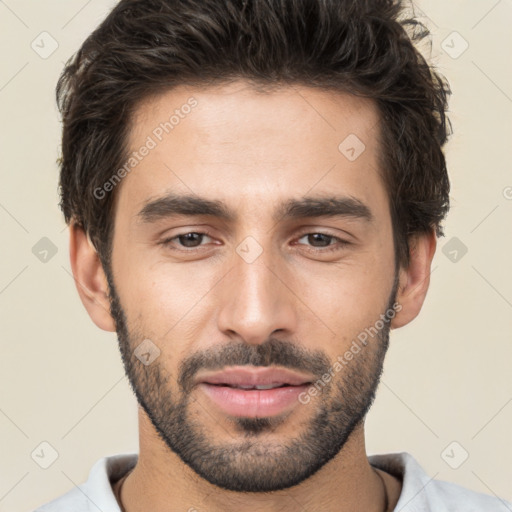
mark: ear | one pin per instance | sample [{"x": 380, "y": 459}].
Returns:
[
  {"x": 414, "y": 280},
  {"x": 90, "y": 278}
]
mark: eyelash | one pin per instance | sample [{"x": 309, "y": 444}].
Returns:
[{"x": 341, "y": 243}]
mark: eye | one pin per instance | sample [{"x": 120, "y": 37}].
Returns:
[
  {"x": 189, "y": 240},
  {"x": 324, "y": 239}
]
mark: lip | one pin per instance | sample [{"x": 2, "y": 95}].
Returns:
[
  {"x": 221, "y": 388},
  {"x": 253, "y": 403},
  {"x": 255, "y": 376}
]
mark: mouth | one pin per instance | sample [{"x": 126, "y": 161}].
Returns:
[
  {"x": 250, "y": 387},
  {"x": 253, "y": 377},
  {"x": 254, "y": 392}
]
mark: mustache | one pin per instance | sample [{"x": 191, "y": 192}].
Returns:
[{"x": 273, "y": 352}]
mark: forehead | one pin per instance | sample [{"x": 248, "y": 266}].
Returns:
[{"x": 251, "y": 148}]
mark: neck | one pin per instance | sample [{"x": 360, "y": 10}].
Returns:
[{"x": 161, "y": 481}]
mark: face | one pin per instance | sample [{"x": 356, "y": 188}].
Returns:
[{"x": 280, "y": 259}]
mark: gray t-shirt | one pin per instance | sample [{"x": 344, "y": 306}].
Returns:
[{"x": 420, "y": 493}]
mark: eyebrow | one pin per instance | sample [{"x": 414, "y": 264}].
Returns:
[{"x": 172, "y": 205}]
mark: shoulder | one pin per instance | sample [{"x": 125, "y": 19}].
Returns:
[
  {"x": 73, "y": 500},
  {"x": 96, "y": 493},
  {"x": 420, "y": 492},
  {"x": 465, "y": 500}
]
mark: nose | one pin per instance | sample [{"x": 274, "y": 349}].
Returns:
[{"x": 257, "y": 299}]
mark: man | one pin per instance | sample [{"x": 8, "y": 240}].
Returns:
[{"x": 254, "y": 190}]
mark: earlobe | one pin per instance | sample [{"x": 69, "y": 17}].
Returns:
[
  {"x": 414, "y": 280},
  {"x": 90, "y": 278}
]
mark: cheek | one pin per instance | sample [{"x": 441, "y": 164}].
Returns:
[
  {"x": 167, "y": 299},
  {"x": 347, "y": 297},
  {"x": 347, "y": 304}
]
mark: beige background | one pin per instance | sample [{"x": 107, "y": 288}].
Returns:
[{"x": 448, "y": 374}]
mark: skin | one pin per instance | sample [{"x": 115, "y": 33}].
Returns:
[{"x": 252, "y": 151}]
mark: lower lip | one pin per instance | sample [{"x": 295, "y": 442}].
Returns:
[{"x": 253, "y": 403}]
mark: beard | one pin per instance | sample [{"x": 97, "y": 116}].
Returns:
[{"x": 251, "y": 461}]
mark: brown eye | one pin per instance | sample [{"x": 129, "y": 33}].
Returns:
[
  {"x": 188, "y": 240},
  {"x": 322, "y": 241}
]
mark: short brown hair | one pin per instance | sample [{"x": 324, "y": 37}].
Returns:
[{"x": 364, "y": 47}]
